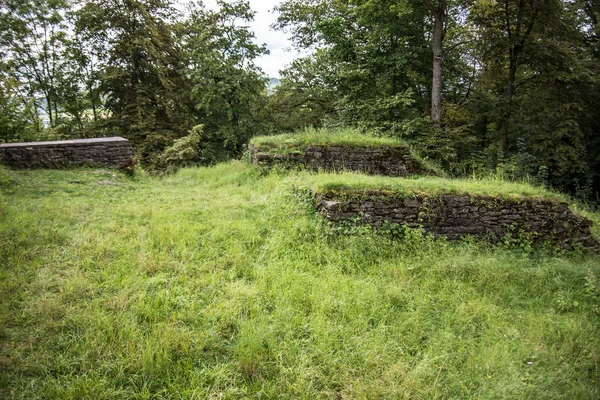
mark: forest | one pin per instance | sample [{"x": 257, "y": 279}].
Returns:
[{"x": 480, "y": 87}]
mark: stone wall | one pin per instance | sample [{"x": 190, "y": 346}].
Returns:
[
  {"x": 455, "y": 217},
  {"x": 113, "y": 152},
  {"x": 389, "y": 160}
]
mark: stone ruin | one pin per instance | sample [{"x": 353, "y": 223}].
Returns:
[
  {"x": 455, "y": 217},
  {"x": 112, "y": 152},
  {"x": 393, "y": 160},
  {"x": 451, "y": 216}
]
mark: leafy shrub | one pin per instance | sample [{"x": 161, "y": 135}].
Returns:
[{"x": 184, "y": 152}]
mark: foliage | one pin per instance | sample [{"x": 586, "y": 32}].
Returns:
[
  {"x": 17, "y": 120},
  {"x": 184, "y": 152},
  {"x": 303, "y": 98},
  {"x": 131, "y": 68},
  {"x": 142, "y": 78},
  {"x": 517, "y": 75},
  {"x": 216, "y": 283},
  {"x": 33, "y": 44},
  {"x": 370, "y": 53},
  {"x": 449, "y": 145},
  {"x": 226, "y": 89}
]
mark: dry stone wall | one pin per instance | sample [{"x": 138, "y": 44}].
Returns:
[
  {"x": 455, "y": 217},
  {"x": 113, "y": 152},
  {"x": 389, "y": 160}
]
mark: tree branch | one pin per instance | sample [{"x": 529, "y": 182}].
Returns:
[
  {"x": 430, "y": 6},
  {"x": 507, "y": 15}
]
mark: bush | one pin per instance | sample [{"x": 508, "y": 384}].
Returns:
[{"x": 184, "y": 152}]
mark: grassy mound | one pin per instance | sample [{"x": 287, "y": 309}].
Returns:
[
  {"x": 297, "y": 143},
  {"x": 352, "y": 184},
  {"x": 323, "y": 137},
  {"x": 223, "y": 283}
]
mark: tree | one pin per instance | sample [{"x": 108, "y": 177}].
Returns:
[
  {"x": 18, "y": 120},
  {"x": 303, "y": 98},
  {"x": 438, "y": 13},
  {"x": 374, "y": 51},
  {"x": 142, "y": 79},
  {"x": 33, "y": 42},
  {"x": 536, "y": 85},
  {"x": 227, "y": 90}
]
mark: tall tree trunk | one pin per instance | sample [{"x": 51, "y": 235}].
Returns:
[
  {"x": 517, "y": 44},
  {"x": 510, "y": 90},
  {"x": 438, "y": 58},
  {"x": 94, "y": 111},
  {"x": 438, "y": 13},
  {"x": 49, "y": 110}
]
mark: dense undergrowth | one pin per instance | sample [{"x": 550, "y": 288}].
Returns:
[{"x": 223, "y": 283}]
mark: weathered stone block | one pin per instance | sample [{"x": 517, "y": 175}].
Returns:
[
  {"x": 452, "y": 217},
  {"x": 390, "y": 161},
  {"x": 114, "y": 152}
]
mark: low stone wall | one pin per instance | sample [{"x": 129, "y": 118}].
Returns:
[
  {"x": 113, "y": 152},
  {"x": 455, "y": 217},
  {"x": 390, "y": 160}
]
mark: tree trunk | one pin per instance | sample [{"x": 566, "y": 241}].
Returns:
[
  {"x": 94, "y": 111},
  {"x": 517, "y": 44},
  {"x": 49, "y": 110},
  {"x": 510, "y": 90},
  {"x": 438, "y": 58}
]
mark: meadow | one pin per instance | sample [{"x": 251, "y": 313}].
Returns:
[{"x": 223, "y": 283}]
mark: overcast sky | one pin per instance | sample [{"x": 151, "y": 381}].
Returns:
[{"x": 281, "y": 52}]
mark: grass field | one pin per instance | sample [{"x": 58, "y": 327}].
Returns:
[{"x": 222, "y": 283}]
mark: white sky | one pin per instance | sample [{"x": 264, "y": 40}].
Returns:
[{"x": 280, "y": 48}]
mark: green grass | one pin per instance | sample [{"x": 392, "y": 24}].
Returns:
[
  {"x": 355, "y": 184},
  {"x": 223, "y": 283},
  {"x": 323, "y": 137}
]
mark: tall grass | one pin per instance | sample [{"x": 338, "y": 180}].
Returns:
[
  {"x": 222, "y": 283},
  {"x": 428, "y": 185},
  {"x": 323, "y": 137}
]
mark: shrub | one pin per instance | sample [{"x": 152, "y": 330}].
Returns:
[{"x": 184, "y": 152}]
